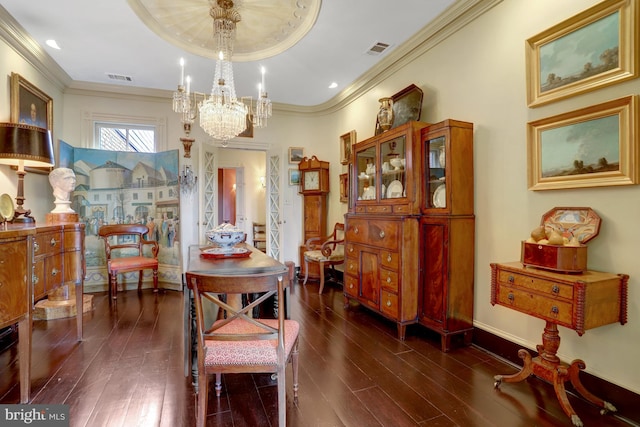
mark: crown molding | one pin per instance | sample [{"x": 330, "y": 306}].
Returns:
[
  {"x": 16, "y": 37},
  {"x": 454, "y": 18}
]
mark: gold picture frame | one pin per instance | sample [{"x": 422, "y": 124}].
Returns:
[
  {"x": 608, "y": 40},
  {"x": 296, "y": 154},
  {"x": 31, "y": 106},
  {"x": 294, "y": 176},
  {"x": 344, "y": 187},
  {"x": 591, "y": 147},
  {"x": 346, "y": 146}
]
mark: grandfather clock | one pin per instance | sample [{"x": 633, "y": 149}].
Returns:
[{"x": 314, "y": 186}]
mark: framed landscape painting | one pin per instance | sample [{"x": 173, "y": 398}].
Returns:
[
  {"x": 593, "y": 49},
  {"x": 590, "y": 147}
]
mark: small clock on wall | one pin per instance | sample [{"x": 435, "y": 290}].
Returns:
[{"x": 314, "y": 175}]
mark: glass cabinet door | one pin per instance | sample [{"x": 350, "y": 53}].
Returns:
[
  {"x": 365, "y": 167},
  {"x": 435, "y": 175},
  {"x": 392, "y": 169}
]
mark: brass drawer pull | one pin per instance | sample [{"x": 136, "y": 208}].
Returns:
[
  {"x": 35, "y": 279},
  {"x": 55, "y": 272},
  {"x": 555, "y": 289},
  {"x": 53, "y": 242},
  {"x": 36, "y": 247},
  {"x": 382, "y": 234},
  {"x": 350, "y": 285},
  {"x": 555, "y": 310},
  {"x": 356, "y": 230},
  {"x": 388, "y": 257},
  {"x": 511, "y": 279},
  {"x": 350, "y": 249},
  {"x": 388, "y": 279},
  {"x": 511, "y": 297},
  {"x": 388, "y": 303}
]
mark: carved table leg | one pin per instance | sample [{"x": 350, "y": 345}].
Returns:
[
  {"x": 402, "y": 329},
  {"x": 574, "y": 371},
  {"x": 527, "y": 369},
  {"x": 548, "y": 367}
]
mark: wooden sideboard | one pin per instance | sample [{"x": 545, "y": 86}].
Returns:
[
  {"x": 58, "y": 265},
  {"x": 16, "y": 296},
  {"x": 576, "y": 301},
  {"x": 36, "y": 262}
]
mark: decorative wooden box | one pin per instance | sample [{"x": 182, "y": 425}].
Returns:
[{"x": 580, "y": 223}]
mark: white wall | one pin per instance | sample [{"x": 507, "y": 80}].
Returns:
[{"x": 476, "y": 75}]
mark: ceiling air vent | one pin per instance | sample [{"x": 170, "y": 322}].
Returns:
[
  {"x": 378, "y": 48},
  {"x": 119, "y": 77}
]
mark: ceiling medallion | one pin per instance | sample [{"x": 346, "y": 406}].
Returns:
[{"x": 266, "y": 29}]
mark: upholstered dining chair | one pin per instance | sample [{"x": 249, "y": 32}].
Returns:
[
  {"x": 123, "y": 245},
  {"x": 239, "y": 343},
  {"x": 326, "y": 252}
]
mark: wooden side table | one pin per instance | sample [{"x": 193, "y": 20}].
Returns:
[{"x": 577, "y": 301}]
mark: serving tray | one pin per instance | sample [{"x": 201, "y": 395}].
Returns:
[{"x": 219, "y": 253}]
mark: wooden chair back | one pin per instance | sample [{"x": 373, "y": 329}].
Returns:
[
  {"x": 136, "y": 232},
  {"x": 124, "y": 249},
  {"x": 237, "y": 332},
  {"x": 326, "y": 251}
]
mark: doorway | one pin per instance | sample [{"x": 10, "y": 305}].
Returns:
[{"x": 227, "y": 195}]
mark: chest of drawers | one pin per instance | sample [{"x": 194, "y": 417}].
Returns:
[
  {"x": 576, "y": 301},
  {"x": 381, "y": 266}
]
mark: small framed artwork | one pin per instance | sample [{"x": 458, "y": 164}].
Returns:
[
  {"x": 596, "y": 48},
  {"x": 344, "y": 187},
  {"x": 294, "y": 176},
  {"x": 296, "y": 154},
  {"x": 346, "y": 142},
  {"x": 590, "y": 147}
]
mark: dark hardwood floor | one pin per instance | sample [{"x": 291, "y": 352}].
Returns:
[{"x": 129, "y": 371}]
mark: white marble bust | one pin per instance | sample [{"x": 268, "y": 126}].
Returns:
[{"x": 63, "y": 181}]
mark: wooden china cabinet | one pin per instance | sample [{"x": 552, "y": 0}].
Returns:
[
  {"x": 410, "y": 231},
  {"x": 381, "y": 230},
  {"x": 447, "y": 230}
]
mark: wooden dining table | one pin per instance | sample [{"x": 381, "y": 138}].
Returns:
[{"x": 256, "y": 262}]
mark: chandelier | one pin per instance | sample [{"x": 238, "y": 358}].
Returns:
[{"x": 222, "y": 115}]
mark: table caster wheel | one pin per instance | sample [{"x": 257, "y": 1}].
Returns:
[
  {"x": 576, "y": 421},
  {"x": 498, "y": 381}
]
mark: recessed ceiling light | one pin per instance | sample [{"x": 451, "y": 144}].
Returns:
[
  {"x": 333, "y": 85},
  {"x": 52, "y": 43}
]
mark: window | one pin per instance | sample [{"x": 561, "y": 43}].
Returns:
[{"x": 122, "y": 137}]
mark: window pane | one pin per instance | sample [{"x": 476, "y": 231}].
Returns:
[{"x": 112, "y": 137}]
